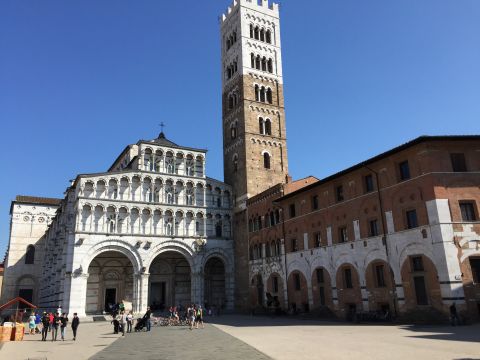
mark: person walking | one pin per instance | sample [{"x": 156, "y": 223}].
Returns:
[
  {"x": 199, "y": 317},
  {"x": 123, "y": 322},
  {"x": 63, "y": 325},
  {"x": 50, "y": 321},
  {"x": 129, "y": 322},
  {"x": 75, "y": 323},
  {"x": 31, "y": 323},
  {"x": 38, "y": 320},
  {"x": 191, "y": 316},
  {"x": 147, "y": 316},
  {"x": 453, "y": 315},
  {"x": 56, "y": 321},
  {"x": 45, "y": 325}
]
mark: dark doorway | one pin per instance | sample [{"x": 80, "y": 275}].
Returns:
[
  {"x": 157, "y": 295},
  {"x": 110, "y": 298},
  {"x": 322, "y": 296},
  {"x": 420, "y": 290},
  {"x": 25, "y": 294}
]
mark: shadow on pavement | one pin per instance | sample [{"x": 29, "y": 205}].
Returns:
[{"x": 469, "y": 333}]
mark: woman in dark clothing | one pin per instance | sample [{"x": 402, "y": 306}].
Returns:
[
  {"x": 75, "y": 323},
  {"x": 56, "y": 321}
]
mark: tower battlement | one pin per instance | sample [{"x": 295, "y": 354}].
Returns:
[{"x": 258, "y": 5}]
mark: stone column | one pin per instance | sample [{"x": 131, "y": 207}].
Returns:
[
  {"x": 140, "y": 293},
  {"x": 197, "y": 287},
  {"x": 76, "y": 285}
]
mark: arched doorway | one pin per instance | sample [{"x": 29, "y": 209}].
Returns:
[
  {"x": 349, "y": 293},
  {"x": 169, "y": 281},
  {"x": 110, "y": 280},
  {"x": 322, "y": 289},
  {"x": 214, "y": 291},
  {"x": 256, "y": 291},
  {"x": 380, "y": 284},
  {"x": 297, "y": 292},
  {"x": 275, "y": 289}
]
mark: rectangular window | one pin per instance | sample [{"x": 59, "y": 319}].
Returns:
[
  {"x": 322, "y": 295},
  {"x": 467, "y": 209},
  {"x": 294, "y": 245},
  {"x": 315, "y": 202},
  {"x": 291, "y": 209},
  {"x": 275, "y": 284},
  {"x": 342, "y": 234},
  {"x": 475, "y": 266},
  {"x": 318, "y": 239},
  {"x": 404, "y": 170},
  {"x": 339, "y": 193},
  {"x": 347, "y": 273},
  {"x": 412, "y": 221},
  {"x": 380, "y": 275},
  {"x": 368, "y": 183},
  {"x": 417, "y": 263},
  {"x": 458, "y": 162},
  {"x": 373, "y": 227},
  {"x": 296, "y": 278},
  {"x": 320, "y": 279}
]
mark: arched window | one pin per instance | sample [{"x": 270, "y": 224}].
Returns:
[
  {"x": 257, "y": 62},
  {"x": 268, "y": 127},
  {"x": 264, "y": 64},
  {"x": 266, "y": 160},
  {"x": 261, "y": 126},
  {"x": 233, "y": 131},
  {"x": 269, "y": 96},
  {"x": 218, "y": 229},
  {"x": 252, "y": 59},
  {"x": 257, "y": 93},
  {"x": 262, "y": 35},
  {"x": 251, "y": 31},
  {"x": 268, "y": 36},
  {"x": 30, "y": 255},
  {"x": 270, "y": 66},
  {"x": 234, "y": 37},
  {"x": 256, "y": 32},
  {"x": 262, "y": 94},
  {"x": 272, "y": 218}
]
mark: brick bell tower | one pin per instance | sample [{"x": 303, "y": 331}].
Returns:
[{"x": 254, "y": 137}]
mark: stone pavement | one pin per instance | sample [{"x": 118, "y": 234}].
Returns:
[
  {"x": 252, "y": 338},
  {"x": 294, "y": 338},
  {"x": 91, "y": 338},
  {"x": 178, "y": 342}
]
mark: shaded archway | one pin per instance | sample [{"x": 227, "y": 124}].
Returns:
[
  {"x": 275, "y": 289},
  {"x": 297, "y": 292},
  {"x": 256, "y": 291},
  {"x": 348, "y": 289},
  {"x": 471, "y": 286},
  {"x": 420, "y": 284},
  {"x": 322, "y": 289},
  {"x": 214, "y": 289},
  {"x": 169, "y": 281},
  {"x": 110, "y": 280},
  {"x": 379, "y": 281}
]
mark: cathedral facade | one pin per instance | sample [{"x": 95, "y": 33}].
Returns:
[{"x": 153, "y": 229}]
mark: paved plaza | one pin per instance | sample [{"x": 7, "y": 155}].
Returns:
[{"x": 246, "y": 337}]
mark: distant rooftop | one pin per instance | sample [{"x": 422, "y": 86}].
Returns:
[
  {"x": 162, "y": 140},
  {"x": 35, "y": 200}
]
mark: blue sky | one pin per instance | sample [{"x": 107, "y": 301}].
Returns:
[{"x": 79, "y": 80}]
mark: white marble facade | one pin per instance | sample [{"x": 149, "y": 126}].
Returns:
[{"x": 153, "y": 230}]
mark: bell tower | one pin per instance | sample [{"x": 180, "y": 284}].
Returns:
[{"x": 253, "y": 114}]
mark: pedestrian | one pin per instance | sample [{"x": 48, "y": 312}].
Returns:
[
  {"x": 453, "y": 315},
  {"x": 63, "y": 325},
  {"x": 123, "y": 322},
  {"x": 45, "y": 325},
  {"x": 116, "y": 323},
  {"x": 31, "y": 323},
  {"x": 191, "y": 316},
  {"x": 59, "y": 310},
  {"x": 121, "y": 306},
  {"x": 129, "y": 322},
  {"x": 38, "y": 320},
  {"x": 54, "y": 325},
  {"x": 50, "y": 321},
  {"x": 199, "y": 317},
  {"x": 75, "y": 323},
  {"x": 146, "y": 317}
]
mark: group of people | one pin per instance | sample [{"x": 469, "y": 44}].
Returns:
[
  {"x": 51, "y": 322},
  {"x": 195, "y": 316}
]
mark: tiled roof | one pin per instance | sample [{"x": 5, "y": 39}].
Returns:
[{"x": 37, "y": 200}]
